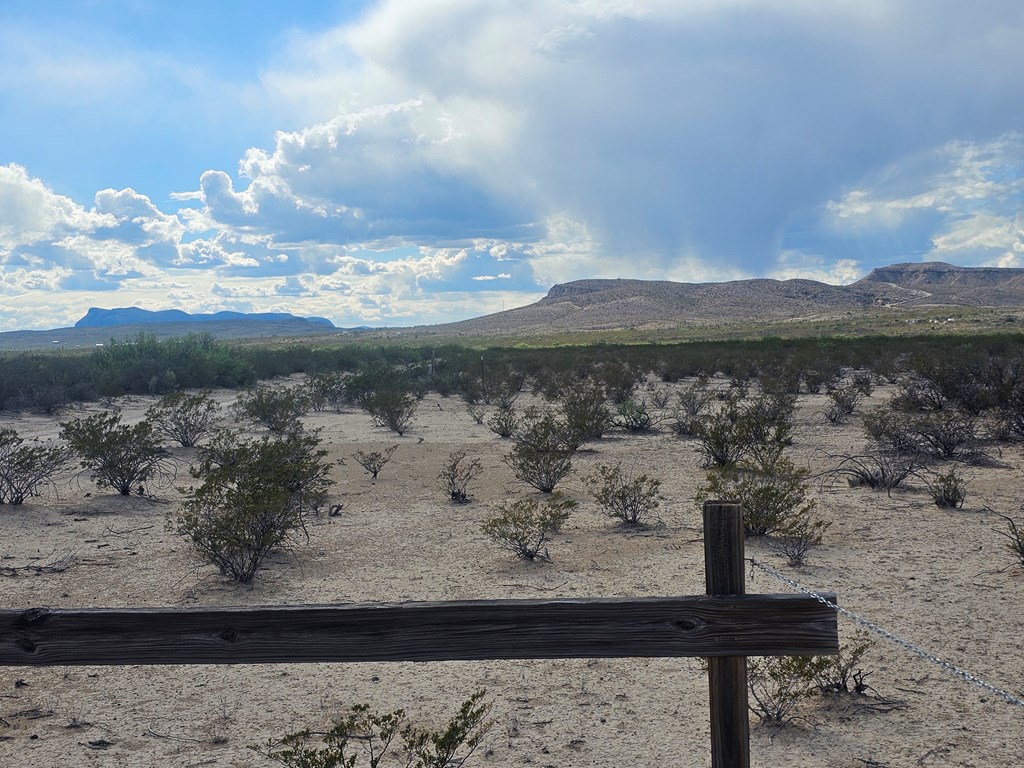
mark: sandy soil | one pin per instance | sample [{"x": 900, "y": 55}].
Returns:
[{"x": 928, "y": 574}]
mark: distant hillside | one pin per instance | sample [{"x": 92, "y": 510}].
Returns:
[
  {"x": 108, "y": 318},
  {"x": 593, "y": 305},
  {"x": 940, "y": 283}
]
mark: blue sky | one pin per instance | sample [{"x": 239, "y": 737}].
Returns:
[{"x": 402, "y": 162}]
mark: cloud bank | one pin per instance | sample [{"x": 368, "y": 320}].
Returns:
[{"x": 457, "y": 156}]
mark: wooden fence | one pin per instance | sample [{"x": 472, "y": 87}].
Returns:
[{"x": 725, "y": 626}]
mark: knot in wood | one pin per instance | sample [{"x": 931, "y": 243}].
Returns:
[
  {"x": 688, "y": 624},
  {"x": 228, "y": 635},
  {"x": 25, "y": 644}
]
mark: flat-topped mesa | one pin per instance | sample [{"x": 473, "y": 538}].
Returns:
[
  {"x": 938, "y": 273},
  {"x": 97, "y": 317}
]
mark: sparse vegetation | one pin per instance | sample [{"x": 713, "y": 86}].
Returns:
[
  {"x": 391, "y": 409},
  {"x": 117, "y": 455},
  {"x": 26, "y": 466},
  {"x": 948, "y": 490},
  {"x": 276, "y": 408},
  {"x": 524, "y": 526},
  {"x": 773, "y": 496},
  {"x": 503, "y": 422},
  {"x": 184, "y": 418},
  {"x": 626, "y": 496},
  {"x": 542, "y": 454},
  {"x": 255, "y": 497},
  {"x": 364, "y": 737},
  {"x": 456, "y": 474},
  {"x": 374, "y": 461}
]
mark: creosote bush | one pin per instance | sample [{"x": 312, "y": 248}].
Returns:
[
  {"x": 255, "y": 497},
  {"x": 1014, "y": 535},
  {"x": 542, "y": 454},
  {"x": 24, "y": 467},
  {"x": 523, "y": 526},
  {"x": 948, "y": 490},
  {"x": 772, "y": 496},
  {"x": 630, "y": 498},
  {"x": 391, "y": 409},
  {"x": 456, "y": 474},
  {"x": 184, "y": 418},
  {"x": 276, "y": 408},
  {"x": 634, "y": 415},
  {"x": 585, "y": 411},
  {"x": 374, "y": 461},
  {"x": 798, "y": 536},
  {"x": 503, "y": 422},
  {"x": 326, "y": 390},
  {"x": 117, "y": 455},
  {"x": 364, "y": 737},
  {"x": 880, "y": 471}
]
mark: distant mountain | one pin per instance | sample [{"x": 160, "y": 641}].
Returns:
[
  {"x": 591, "y": 305},
  {"x": 936, "y": 282},
  {"x": 107, "y": 318}
]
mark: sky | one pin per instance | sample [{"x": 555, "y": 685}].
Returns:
[{"x": 402, "y": 162}]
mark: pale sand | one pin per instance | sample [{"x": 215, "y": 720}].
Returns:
[{"x": 925, "y": 573}]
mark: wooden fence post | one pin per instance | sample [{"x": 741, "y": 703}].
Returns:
[{"x": 727, "y": 675}]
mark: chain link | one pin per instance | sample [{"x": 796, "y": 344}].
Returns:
[{"x": 915, "y": 649}]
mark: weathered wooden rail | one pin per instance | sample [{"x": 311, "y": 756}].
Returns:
[{"x": 725, "y": 626}]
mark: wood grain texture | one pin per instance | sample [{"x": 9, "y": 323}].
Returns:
[
  {"x": 727, "y": 675},
  {"x": 462, "y": 630}
]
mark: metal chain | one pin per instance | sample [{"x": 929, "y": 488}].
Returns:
[{"x": 916, "y": 649}]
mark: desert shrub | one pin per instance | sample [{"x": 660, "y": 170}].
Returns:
[
  {"x": 619, "y": 379},
  {"x": 501, "y": 388},
  {"x": 723, "y": 436},
  {"x": 863, "y": 383},
  {"x": 797, "y": 536},
  {"x": 946, "y": 434},
  {"x": 524, "y": 526},
  {"x": 915, "y": 394},
  {"x": 235, "y": 527},
  {"x": 254, "y": 498},
  {"x": 391, "y": 409},
  {"x": 842, "y": 403},
  {"x": 117, "y": 456},
  {"x": 542, "y": 454},
  {"x": 276, "y": 408},
  {"x": 374, "y": 461},
  {"x": 771, "y": 495},
  {"x": 624, "y": 495},
  {"x": 476, "y": 412},
  {"x": 659, "y": 397},
  {"x": 880, "y": 471},
  {"x": 634, "y": 416},
  {"x": 365, "y": 737},
  {"x": 184, "y": 418},
  {"x": 503, "y": 422},
  {"x": 842, "y": 673},
  {"x": 293, "y": 461},
  {"x": 948, "y": 490},
  {"x": 777, "y": 685},
  {"x": 694, "y": 398},
  {"x": 585, "y": 411},
  {"x": 1014, "y": 535},
  {"x": 893, "y": 431},
  {"x": 760, "y": 429},
  {"x": 25, "y": 467},
  {"x": 816, "y": 378},
  {"x": 326, "y": 390},
  {"x": 833, "y": 675},
  {"x": 456, "y": 474}
]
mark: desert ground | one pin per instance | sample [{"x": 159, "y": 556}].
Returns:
[{"x": 937, "y": 577}]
